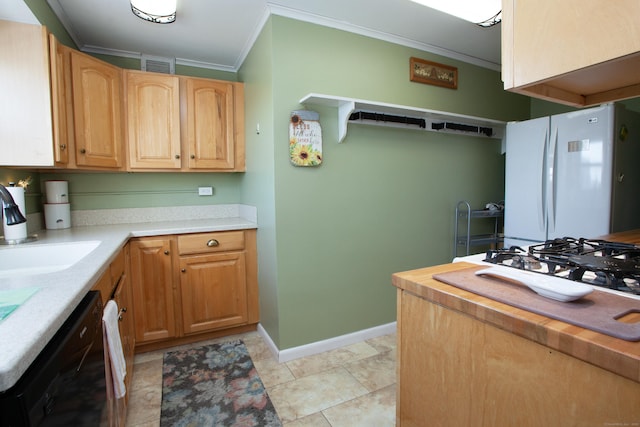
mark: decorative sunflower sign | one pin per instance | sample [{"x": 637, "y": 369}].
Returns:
[{"x": 305, "y": 138}]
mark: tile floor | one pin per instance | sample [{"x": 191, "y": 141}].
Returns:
[{"x": 350, "y": 386}]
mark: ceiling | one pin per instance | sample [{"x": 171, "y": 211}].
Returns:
[{"x": 218, "y": 34}]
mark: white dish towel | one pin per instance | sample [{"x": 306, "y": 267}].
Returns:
[{"x": 116, "y": 356}]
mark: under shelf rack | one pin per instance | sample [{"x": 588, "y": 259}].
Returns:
[
  {"x": 468, "y": 240},
  {"x": 392, "y": 115}
]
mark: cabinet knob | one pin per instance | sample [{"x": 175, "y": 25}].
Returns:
[
  {"x": 166, "y": 252},
  {"x": 213, "y": 243},
  {"x": 193, "y": 156},
  {"x": 63, "y": 146},
  {"x": 184, "y": 270},
  {"x": 177, "y": 156},
  {"x": 83, "y": 151}
]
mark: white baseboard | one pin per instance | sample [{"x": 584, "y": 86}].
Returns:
[{"x": 325, "y": 345}]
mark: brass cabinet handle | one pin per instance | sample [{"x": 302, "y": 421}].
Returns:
[
  {"x": 166, "y": 252},
  {"x": 63, "y": 146},
  {"x": 122, "y": 310},
  {"x": 213, "y": 243},
  {"x": 184, "y": 270},
  {"x": 193, "y": 156},
  {"x": 83, "y": 151},
  {"x": 177, "y": 156}
]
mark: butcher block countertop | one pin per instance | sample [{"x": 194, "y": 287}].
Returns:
[{"x": 612, "y": 354}]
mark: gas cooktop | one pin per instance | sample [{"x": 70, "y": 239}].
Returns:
[{"x": 609, "y": 265}]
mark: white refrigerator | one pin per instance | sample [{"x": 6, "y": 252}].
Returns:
[{"x": 572, "y": 175}]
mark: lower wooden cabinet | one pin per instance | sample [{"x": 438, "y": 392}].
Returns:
[
  {"x": 153, "y": 290},
  {"x": 458, "y": 370},
  {"x": 115, "y": 285},
  {"x": 187, "y": 287}
]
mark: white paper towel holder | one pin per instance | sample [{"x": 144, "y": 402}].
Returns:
[{"x": 20, "y": 204}]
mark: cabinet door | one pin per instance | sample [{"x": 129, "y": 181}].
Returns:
[
  {"x": 153, "y": 120},
  {"x": 25, "y": 110},
  {"x": 591, "y": 33},
  {"x": 208, "y": 118},
  {"x": 123, "y": 298},
  {"x": 577, "y": 52},
  {"x": 61, "y": 101},
  {"x": 97, "y": 112},
  {"x": 152, "y": 282},
  {"x": 213, "y": 290}
]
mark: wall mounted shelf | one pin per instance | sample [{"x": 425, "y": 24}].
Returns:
[{"x": 383, "y": 114}]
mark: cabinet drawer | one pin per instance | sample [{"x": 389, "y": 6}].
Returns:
[{"x": 210, "y": 242}]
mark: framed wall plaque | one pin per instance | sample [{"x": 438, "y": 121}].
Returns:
[{"x": 432, "y": 73}]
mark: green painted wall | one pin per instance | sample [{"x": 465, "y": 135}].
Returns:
[
  {"x": 131, "y": 190},
  {"x": 381, "y": 202},
  {"x": 258, "y": 186}
]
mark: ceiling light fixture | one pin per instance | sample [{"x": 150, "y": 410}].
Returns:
[
  {"x": 158, "y": 11},
  {"x": 485, "y": 13}
]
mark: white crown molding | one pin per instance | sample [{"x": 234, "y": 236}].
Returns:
[
  {"x": 64, "y": 20},
  {"x": 113, "y": 52},
  {"x": 252, "y": 40}
]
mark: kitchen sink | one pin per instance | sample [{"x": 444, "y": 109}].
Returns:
[{"x": 42, "y": 258}]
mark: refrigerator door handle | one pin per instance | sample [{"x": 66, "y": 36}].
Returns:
[
  {"x": 541, "y": 193},
  {"x": 553, "y": 174}
]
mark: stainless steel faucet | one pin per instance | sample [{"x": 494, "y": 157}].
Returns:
[{"x": 12, "y": 213}]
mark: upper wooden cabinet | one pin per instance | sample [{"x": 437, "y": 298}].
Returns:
[
  {"x": 61, "y": 102},
  {"x": 97, "y": 112},
  {"x": 183, "y": 123},
  {"x": 574, "y": 52},
  {"x": 67, "y": 109},
  {"x": 153, "y": 120},
  {"x": 25, "y": 113},
  {"x": 213, "y": 124}
]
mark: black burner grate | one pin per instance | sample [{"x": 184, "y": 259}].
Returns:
[{"x": 597, "y": 262}]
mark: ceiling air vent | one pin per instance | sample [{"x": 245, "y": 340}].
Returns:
[{"x": 158, "y": 64}]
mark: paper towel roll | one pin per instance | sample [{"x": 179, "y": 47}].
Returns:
[
  {"x": 17, "y": 231},
  {"x": 57, "y": 191},
  {"x": 57, "y": 215}
]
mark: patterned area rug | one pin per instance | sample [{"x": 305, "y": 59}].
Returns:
[{"x": 214, "y": 385}]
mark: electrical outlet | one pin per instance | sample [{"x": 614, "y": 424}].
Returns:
[{"x": 205, "y": 191}]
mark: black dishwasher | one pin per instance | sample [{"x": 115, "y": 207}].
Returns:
[{"x": 66, "y": 384}]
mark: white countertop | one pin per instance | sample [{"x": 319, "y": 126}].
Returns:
[{"x": 26, "y": 331}]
